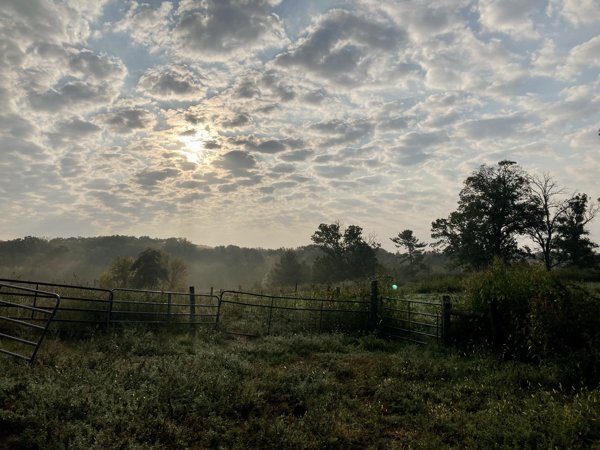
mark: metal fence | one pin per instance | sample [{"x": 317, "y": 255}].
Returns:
[
  {"x": 163, "y": 307},
  {"x": 25, "y": 316},
  {"x": 251, "y": 314},
  {"x": 82, "y": 308},
  {"x": 412, "y": 319}
]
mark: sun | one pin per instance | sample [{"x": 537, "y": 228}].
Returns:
[{"x": 194, "y": 145}]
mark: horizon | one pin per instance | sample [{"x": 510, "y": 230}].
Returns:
[{"x": 250, "y": 123}]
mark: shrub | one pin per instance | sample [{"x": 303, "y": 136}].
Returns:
[{"x": 530, "y": 313}]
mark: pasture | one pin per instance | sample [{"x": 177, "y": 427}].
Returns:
[{"x": 136, "y": 388}]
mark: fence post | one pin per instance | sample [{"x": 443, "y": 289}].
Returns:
[
  {"x": 169, "y": 307},
  {"x": 320, "y": 317},
  {"x": 446, "y": 314},
  {"x": 218, "y": 309},
  {"x": 111, "y": 297},
  {"x": 409, "y": 322},
  {"x": 374, "y": 305},
  {"x": 192, "y": 306}
]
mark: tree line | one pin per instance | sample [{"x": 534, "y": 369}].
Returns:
[
  {"x": 502, "y": 207},
  {"x": 503, "y": 214}
]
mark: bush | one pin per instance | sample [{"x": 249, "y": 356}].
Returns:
[{"x": 530, "y": 313}]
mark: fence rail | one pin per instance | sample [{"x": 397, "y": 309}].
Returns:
[
  {"x": 415, "y": 320},
  {"x": 78, "y": 308},
  {"x": 252, "y": 314},
  {"x": 20, "y": 337},
  {"x": 82, "y": 307}
]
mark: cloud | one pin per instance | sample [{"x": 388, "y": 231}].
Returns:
[
  {"x": 73, "y": 129},
  {"x": 343, "y": 47},
  {"x": 22, "y": 148},
  {"x": 586, "y": 54},
  {"x": 269, "y": 146},
  {"x": 296, "y": 155},
  {"x": 512, "y": 17},
  {"x": 237, "y": 162},
  {"x": 100, "y": 67},
  {"x": 581, "y": 12},
  {"x": 414, "y": 147},
  {"x": 344, "y": 131},
  {"x": 76, "y": 127},
  {"x": 147, "y": 25},
  {"x": 73, "y": 94},
  {"x": 492, "y": 128},
  {"x": 171, "y": 83},
  {"x": 150, "y": 178},
  {"x": 238, "y": 120},
  {"x": 128, "y": 120},
  {"x": 219, "y": 29},
  {"x": 339, "y": 171},
  {"x": 48, "y": 21},
  {"x": 283, "y": 168},
  {"x": 15, "y": 126},
  {"x": 71, "y": 165}
]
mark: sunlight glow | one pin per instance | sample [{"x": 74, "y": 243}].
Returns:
[{"x": 194, "y": 149}]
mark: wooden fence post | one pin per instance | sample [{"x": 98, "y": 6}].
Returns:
[
  {"x": 374, "y": 305},
  {"x": 218, "y": 318},
  {"x": 169, "y": 301},
  {"x": 192, "y": 305},
  {"x": 111, "y": 297},
  {"x": 446, "y": 324}
]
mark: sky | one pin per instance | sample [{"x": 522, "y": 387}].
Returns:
[{"x": 250, "y": 122}]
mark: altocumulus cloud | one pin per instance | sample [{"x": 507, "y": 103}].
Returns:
[
  {"x": 171, "y": 83},
  {"x": 300, "y": 112}
]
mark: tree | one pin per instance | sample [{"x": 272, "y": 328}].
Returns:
[
  {"x": 492, "y": 211},
  {"x": 120, "y": 271},
  {"x": 414, "y": 251},
  {"x": 546, "y": 212},
  {"x": 150, "y": 269},
  {"x": 177, "y": 274},
  {"x": 572, "y": 245},
  {"x": 346, "y": 256},
  {"x": 288, "y": 270},
  {"x": 412, "y": 245}
]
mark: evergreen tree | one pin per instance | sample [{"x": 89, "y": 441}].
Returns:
[
  {"x": 414, "y": 251},
  {"x": 288, "y": 271},
  {"x": 572, "y": 243}
]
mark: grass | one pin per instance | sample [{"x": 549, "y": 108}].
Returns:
[{"x": 143, "y": 389}]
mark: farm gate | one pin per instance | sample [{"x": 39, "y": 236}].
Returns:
[
  {"x": 416, "y": 319},
  {"x": 39, "y": 307},
  {"x": 25, "y": 316},
  {"x": 252, "y": 314}
]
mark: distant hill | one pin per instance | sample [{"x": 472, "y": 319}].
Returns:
[{"x": 81, "y": 260}]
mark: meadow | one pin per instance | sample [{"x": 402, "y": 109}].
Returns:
[{"x": 136, "y": 388}]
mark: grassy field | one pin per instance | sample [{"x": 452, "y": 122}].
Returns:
[{"x": 139, "y": 389}]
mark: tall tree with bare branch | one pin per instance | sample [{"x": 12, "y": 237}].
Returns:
[{"x": 547, "y": 208}]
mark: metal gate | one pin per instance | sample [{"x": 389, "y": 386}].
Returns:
[
  {"x": 25, "y": 315},
  {"x": 419, "y": 321},
  {"x": 251, "y": 314}
]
